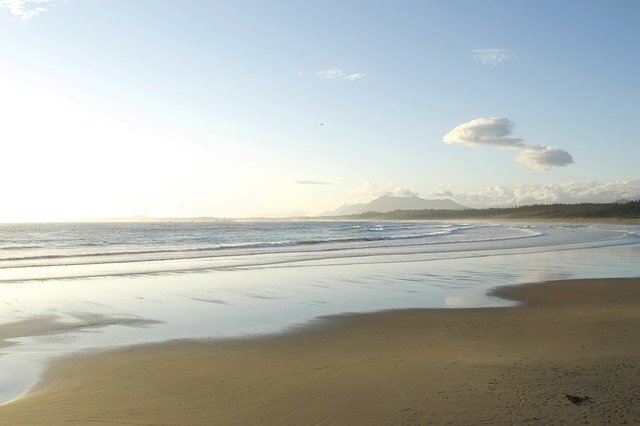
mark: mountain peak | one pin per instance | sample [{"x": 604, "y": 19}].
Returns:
[{"x": 388, "y": 203}]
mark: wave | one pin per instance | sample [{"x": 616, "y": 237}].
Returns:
[
  {"x": 196, "y": 254},
  {"x": 27, "y": 247},
  {"x": 324, "y": 255},
  {"x": 236, "y": 246},
  {"x": 460, "y": 237},
  {"x": 141, "y": 252}
]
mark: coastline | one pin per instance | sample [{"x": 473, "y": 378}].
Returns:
[
  {"x": 508, "y": 364},
  {"x": 575, "y": 220}
]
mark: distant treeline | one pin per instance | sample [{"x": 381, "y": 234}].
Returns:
[{"x": 627, "y": 210}]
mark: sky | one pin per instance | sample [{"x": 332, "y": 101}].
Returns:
[{"x": 251, "y": 108}]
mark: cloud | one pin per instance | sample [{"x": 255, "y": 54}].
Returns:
[
  {"x": 354, "y": 76},
  {"x": 338, "y": 74},
  {"x": 27, "y": 9},
  {"x": 493, "y": 56},
  {"x": 497, "y": 132},
  {"x": 484, "y": 131},
  {"x": 543, "y": 157},
  {"x": 373, "y": 190},
  {"x": 569, "y": 192},
  {"x": 438, "y": 194}
]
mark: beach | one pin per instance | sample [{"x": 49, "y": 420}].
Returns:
[
  {"x": 301, "y": 213},
  {"x": 416, "y": 366}
]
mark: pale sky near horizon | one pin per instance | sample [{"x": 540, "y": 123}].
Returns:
[{"x": 246, "y": 108}]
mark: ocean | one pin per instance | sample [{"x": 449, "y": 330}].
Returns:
[
  {"x": 83, "y": 250},
  {"x": 97, "y": 286}
]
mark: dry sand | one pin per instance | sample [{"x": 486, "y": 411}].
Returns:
[{"x": 499, "y": 365}]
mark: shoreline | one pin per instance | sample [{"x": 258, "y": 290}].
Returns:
[
  {"x": 400, "y": 366},
  {"x": 576, "y": 220}
]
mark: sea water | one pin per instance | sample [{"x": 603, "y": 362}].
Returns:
[{"x": 106, "y": 285}]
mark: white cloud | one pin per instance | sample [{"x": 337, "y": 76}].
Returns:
[
  {"x": 493, "y": 56},
  {"x": 354, "y": 76},
  {"x": 339, "y": 74},
  {"x": 544, "y": 157},
  {"x": 497, "y": 132},
  {"x": 482, "y": 132},
  {"x": 373, "y": 190},
  {"x": 441, "y": 194},
  {"x": 332, "y": 74},
  {"x": 27, "y": 9},
  {"x": 570, "y": 192}
]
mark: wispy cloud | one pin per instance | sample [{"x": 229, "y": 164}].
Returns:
[
  {"x": 339, "y": 74},
  {"x": 498, "y": 132},
  {"x": 569, "y": 192},
  {"x": 27, "y": 9},
  {"x": 354, "y": 76},
  {"x": 493, "y": 56},
  {"x": 335, "y": 180}
]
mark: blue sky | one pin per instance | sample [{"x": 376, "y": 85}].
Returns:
[{"x": 230, "y": 108}]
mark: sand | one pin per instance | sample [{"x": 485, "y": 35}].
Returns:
[{"x": 463, "y": 366}]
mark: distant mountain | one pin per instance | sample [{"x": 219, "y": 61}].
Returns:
[
  {"x": 389, "y": 203},
  {"x": 610, "y": 212},
  {"x": 626, "y": 200}
]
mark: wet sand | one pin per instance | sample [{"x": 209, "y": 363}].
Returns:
[{"x": 496, "y": 365}]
